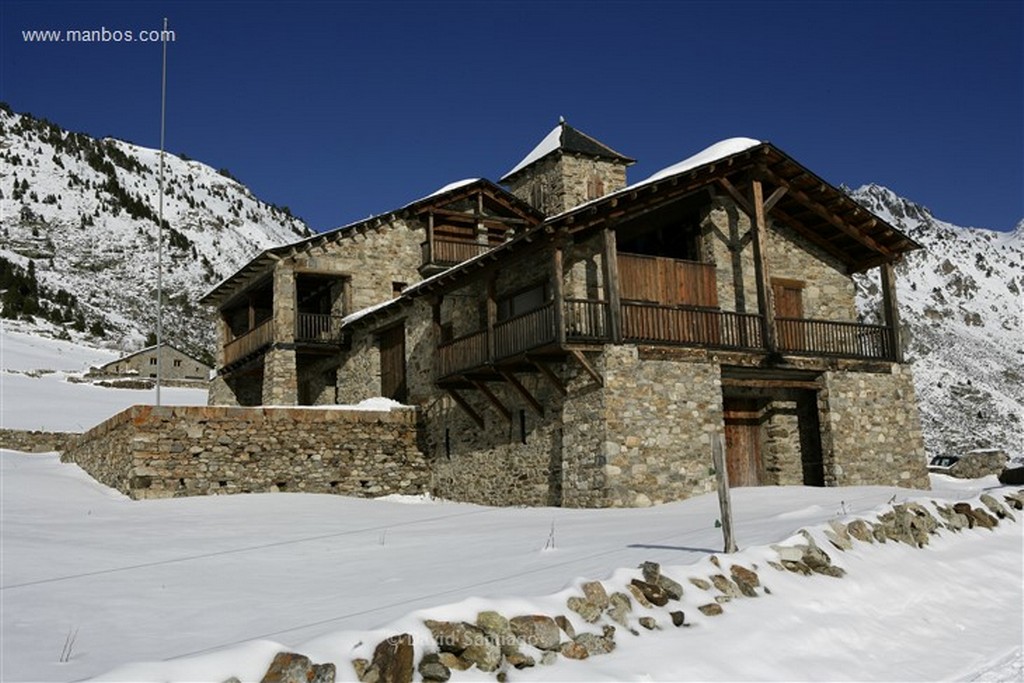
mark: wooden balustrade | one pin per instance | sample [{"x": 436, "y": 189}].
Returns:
[
  {"x": 690, "y": 326},
  {"x": 526, "y": 331},
  {"x": 467, "y": 351},
  {"x": 833, "y": 338},
  {"x": 250, "y": 342},
  {"x": 451, "y": 252},
  {"x": 586, "y": 319},
  {"x": 317, "y": 327}
]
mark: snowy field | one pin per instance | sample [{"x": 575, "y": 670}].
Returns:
[
  {"x": 202, "y": 589},
  {"x": 35, "y": 392}
]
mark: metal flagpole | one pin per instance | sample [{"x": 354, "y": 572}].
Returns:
[{"x": 160, "y": 229}]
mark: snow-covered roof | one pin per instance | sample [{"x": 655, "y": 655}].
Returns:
[
  {"x": 719, "y": 150},
  {"x": 566, "y": 138}
]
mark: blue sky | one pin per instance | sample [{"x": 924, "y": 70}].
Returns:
[{"x": 344, "y": 109}]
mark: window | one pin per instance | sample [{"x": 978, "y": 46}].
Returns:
[
  {"x": 177, "y": 363},
  {"x": 397, "y": 287},
  {"x": 522, "y": 302},
  {"x": 152, "y": 361},
  {"x": 595, "y": 186}
]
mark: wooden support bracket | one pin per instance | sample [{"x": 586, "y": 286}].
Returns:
[
  {"x": 550, "y": 374},
  {"x": 495, "y": 401},
  {"x": 523, "y": 391},
  {"x": 587, "y": 367},
  {"x": 464, "y": 404}
]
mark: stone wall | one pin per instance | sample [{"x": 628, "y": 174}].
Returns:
[
  {"x": 34, "y": 441},
  {"x": 162, "y": 452},
  {"x": 871, "y": 430},
  {"x": 559, "y": 181}
]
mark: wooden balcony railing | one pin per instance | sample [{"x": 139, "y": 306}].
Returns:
[
  {"x": 832, "y": 338},
  {"x": 249, "y": 343},
  {"x": 467, "y": 351},
  {"x": 690, "y": 326},
  {"x": 524, "y": 332},
  {"x": 317, "y": 327},
  {"x": 450, "y": 252},
  {"x": 588, "y": 320}
]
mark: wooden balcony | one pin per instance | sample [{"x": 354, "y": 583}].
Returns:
[
  {"x": 249, "y": 343},
  {"x": 588, "y": 321},
  {"x": 450, "y": 252},
  {"x": 317, "y": 328}
]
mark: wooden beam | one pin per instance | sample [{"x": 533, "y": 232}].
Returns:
[
  {"x": 492, "y": 317},
  {"x": 430, "y": 237},
  {"x": 523, "y": 391},
  {"x": 557, "y": 292},
  {"x": 555, "y": 380},
  {"x": 475, "y": 416},
  {"x": 765, "y": 296},
  {"x": 587, "y": 367},
  {"x": 742, "y": 202},
  {"x": 890, "y": 308},
  {"x": 612, "y": 293},
  {"x": 774, "y": 198},
  {"x": 498, "y": 405},
  {"x": 829, "y": 216},
  {"x": 769, "y": 383}
]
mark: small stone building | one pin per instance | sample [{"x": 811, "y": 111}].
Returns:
[
  {"x": 580, "y": 341},
  {"x": 175, "y": 365}
]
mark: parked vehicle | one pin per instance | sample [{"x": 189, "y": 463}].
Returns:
[{"x": 943, "y": 463}]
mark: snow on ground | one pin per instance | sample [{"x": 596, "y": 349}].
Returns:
[
  {"x": 212, "y": 587},
  {"x": 35, "y": 392}
]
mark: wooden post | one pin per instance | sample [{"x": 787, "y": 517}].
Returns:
[
  {"x": 890, "y": 308},
  {"x": 557, "y": 293},
  {"x": 430, "y": 239},
  {"x": 724, "y": 502},
  {"x": 611, "y": 286},
  {"x": 492, "y": 317},
  {"x": 765, "y": 297}
]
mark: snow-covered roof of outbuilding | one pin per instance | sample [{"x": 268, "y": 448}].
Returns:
[{"x": 567, "y": 139}]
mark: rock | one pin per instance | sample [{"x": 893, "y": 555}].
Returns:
[
  {"x": 983, "y": 519},
  {"x": 678, "y": 618},
  {"x": 714, "y": 561},
  {"x": 594, "y": 592},
  {"x": 453, "y": 662},
  {"x": 361, "y": 666},
  {"x": 860, "y": 530},
  {"x": 838, "y": 535},
  {"x": 712, "y": 609},
  {"x": 788, "y": 553},
  {"x": 618, "y": 607},
  {"x": 393, "y": 659},
  {"x": 673, "y": 589},
  {"x": 818, "y": 561},
  {"x": 639, "y": 596},
  {"x": 996, "y": 507},
  {"x": 776, "y": 566},
  {"x": 574, "y": 650},
  {"x": 455, "y": 637},
  {"x": 498, "y": 631},
  {"x": 652, "y": 591},
  {"x": 586, "y": 609},
  {"x": 594, "y": 644},
  {"x": 233, "y": 679},
  {"x": 746, "y": 580},
  {"x": 566, "y": 626},
  {"x": 520, "y": 661},
  {"x": 648, "y": 623},
  {"x": 651, "y": 571},
  {"x": 485, "y": 655},
  {"x": 537, "y": 630},
  {"x": 289, "y": 667},
  {"x": 796, "y": 567},
  {"x": 1015, "y": 500},
  {"x": 701, "y": 584},
  {"x": 432, "y": 669},
  {"x": 979, "y": 464},
  {"x": 965, "y": 510},
  {"x": 548, "y": 658},
  {"x": 726, "y": 586}
]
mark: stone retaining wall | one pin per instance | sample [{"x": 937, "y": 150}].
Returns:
[
  {"x": 163, "y": 452},
  {"x": 34, "y": 441}
]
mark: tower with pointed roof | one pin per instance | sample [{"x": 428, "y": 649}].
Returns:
[{"x": 566, "y": 169}]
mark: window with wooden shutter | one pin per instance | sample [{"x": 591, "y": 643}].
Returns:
[{"x": 392, "y": 364}]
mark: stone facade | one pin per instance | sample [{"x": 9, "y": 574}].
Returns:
[
  {"x": 871, "y": 430},
  {"x": 561, "y": 181},
  {"x": 163, "y": 452},
  {"x": 34, "y": 441}
]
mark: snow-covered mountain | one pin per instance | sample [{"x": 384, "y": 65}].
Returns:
[
  {"x": 79, "y": 231},
  {"x": 961, "y": 303}
]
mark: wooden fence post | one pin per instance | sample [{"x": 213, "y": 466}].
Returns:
[{"x": 724, "y": 502}]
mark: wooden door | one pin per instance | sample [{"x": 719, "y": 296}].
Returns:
[
  {"x": 392, "y": 364},
  {"x": 743, "y": 442},
  {"x": 789, "y": 304}
]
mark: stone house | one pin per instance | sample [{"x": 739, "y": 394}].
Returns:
[
  {"x": 175, "y": 365},
  {"x": 579, "y": 341}
]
